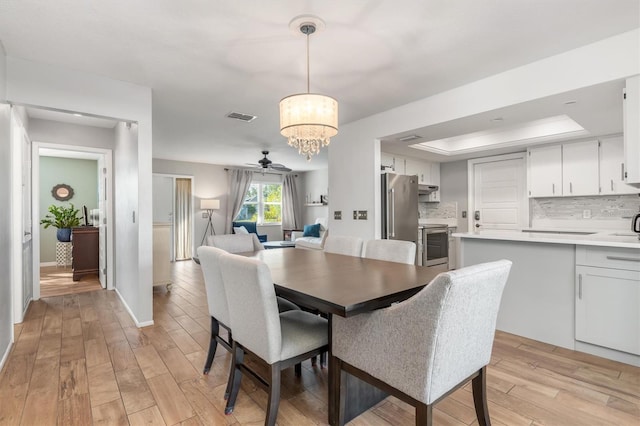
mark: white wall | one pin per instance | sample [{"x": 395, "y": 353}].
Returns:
[
  {"x": 453, "y": 188},
  {"x": 70, "y": 134},
  {"x": 311, "y": 185},
  {"x": 6, "y": 322},
  {"x": 354, "y": 153},
  {"x": 56, "y": 87}
]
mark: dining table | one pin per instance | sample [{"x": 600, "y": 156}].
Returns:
[{"x": 335, "y": 284}]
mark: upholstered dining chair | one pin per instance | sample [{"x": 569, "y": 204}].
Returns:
[
  {"x": 276, "y": 340},
  {"x": 390, "y": 250},
  {"x": 216, "y": 296},
  {"x": 449, "y": 327},
  {"x": 341, "y": 244}
]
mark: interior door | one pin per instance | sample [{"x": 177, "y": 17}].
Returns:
[{"x": 499, "y": 195}]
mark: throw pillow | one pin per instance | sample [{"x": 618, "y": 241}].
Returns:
[
  {"x": 240, "y": 230},
  {"x": 311, "y": 231}
]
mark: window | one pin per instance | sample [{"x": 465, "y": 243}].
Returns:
[{"x": 262, "y": 204}]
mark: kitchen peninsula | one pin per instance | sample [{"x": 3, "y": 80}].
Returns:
[{"x": 577, "y": 290}]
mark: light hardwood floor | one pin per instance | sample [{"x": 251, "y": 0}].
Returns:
[
  {"x": 58, "y": 281},
  {"x": 79, "y": 359}
]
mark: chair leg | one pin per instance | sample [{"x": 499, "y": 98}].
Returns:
[
  {"x": 424, "y": 415},
  {"x": 274, "y": 395},
  {"x": 235, "y": 379},
  {"x": 298, "y": 369},
  {"x": 213, "y": 345},
  {"x": 323, "y": 360},
  {"x": 479, "y": 388}
]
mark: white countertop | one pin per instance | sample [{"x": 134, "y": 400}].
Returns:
[{"x": 625, "y": 239}]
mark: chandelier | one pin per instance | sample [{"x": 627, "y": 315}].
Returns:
[{"x": 308, "y": 120}]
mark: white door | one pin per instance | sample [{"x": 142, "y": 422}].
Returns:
[
  {"x": 163, "y": 204},
  {"x": 499, "y": 198},
  {"x": 102, "y": 220}
]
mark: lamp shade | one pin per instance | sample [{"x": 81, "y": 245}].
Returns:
[{"x": 209, "y": 204}]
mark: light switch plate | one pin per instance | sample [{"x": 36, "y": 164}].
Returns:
[
  {"x": 362, "y": 215},
  {"x": 337, "y": 215},
  {"x": 355, "y": 215}
]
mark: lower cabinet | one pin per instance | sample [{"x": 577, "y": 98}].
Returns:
[{"x": 607, "y": 297}]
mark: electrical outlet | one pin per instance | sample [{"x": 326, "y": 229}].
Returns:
[
  {"x": 362, "y": 215},
  {"x": 586, "y": 214},
  {"x": 337, "y": 215},
  {"x": 355, "y": 215}
]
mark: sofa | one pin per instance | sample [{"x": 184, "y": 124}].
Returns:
[
  {"x": 312, "y": 243},
  {"x": 250, "y": 227}
]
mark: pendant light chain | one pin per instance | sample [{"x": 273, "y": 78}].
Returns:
[{"x": 308, "y": 68}]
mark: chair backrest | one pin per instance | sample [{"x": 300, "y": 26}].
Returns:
[
  {"x": 455, "y": 320},
  {"x": 252, "y": 305},
  {"x": 324, "y": 223},
  {"x": 390, "y": 250},
  {"x": 216, "y": 296},
  {"x": 340, "y": 244},
  {"x": 235, "y": 243}
]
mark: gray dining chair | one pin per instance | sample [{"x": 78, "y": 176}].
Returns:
[
  {"x": 275, "y": 340},
  {"x": 390, "y": 250},
  {"x": 244, "y": 243},
  {"x": 236, "y": 243},
  {"x": 424, "y": 348},
  {"x": 341, "y": 244}
]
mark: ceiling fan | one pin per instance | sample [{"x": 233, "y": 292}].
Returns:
[{"x": 264, "y": 164}]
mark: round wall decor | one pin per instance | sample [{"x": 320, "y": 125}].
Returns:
[{"x": 62, "y": 192}]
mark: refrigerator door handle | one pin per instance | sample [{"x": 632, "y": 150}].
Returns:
[{"x": 392, "y": 207}]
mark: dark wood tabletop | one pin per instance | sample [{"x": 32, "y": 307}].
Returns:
[{"x": 343, "y": 285}]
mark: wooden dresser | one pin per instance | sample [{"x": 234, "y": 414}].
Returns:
[{"x": 85, "y": 252}]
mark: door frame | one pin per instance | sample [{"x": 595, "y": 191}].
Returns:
[
  {"x": 107, "y": 159},
  {"x": 471, "y": 183},
  {"x": 174, "y": 176}
]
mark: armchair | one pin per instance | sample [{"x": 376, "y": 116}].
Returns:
[
  {"x": 424, "y": 348},
  {"x": 251, "y": 228},
  {"x": 316, "y": 243}
]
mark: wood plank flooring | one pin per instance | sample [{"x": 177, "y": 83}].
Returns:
[
  {"x": 58, "y": 281},
  {"x": 79, "y": 360}
]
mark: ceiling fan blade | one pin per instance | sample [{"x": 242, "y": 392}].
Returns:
[{"x": 280, "y": 168}]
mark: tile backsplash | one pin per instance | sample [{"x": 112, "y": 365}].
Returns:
[
  {"x": 605, "y": 210},
  {"x": 441, "y": 210}
]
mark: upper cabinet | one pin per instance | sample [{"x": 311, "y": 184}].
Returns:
[
  {"x": 580, "y": 168},
  {"x": 428, "y": 172},
  {"x": 612, "y": 169},
  {"x": 544, "y": 169},
  {"x": 631, "y": 105}
]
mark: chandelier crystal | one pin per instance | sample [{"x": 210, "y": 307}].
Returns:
[{"x": 308, "y": 120}]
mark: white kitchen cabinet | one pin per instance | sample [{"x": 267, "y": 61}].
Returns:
[
  {"x": 387, "y": 160},
  {"x": 544, "y": 170},
  {"x": 420, "y": 168},
  {"x": 612, "y": 168},
  {"x": 631, "y": 126},
  {"x": 435, "y": 180},
  {"x": 580, "y": 168},
  {"x": 607, "y": 297}
]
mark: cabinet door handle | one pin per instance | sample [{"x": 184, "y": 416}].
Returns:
[
  {"x": 570, "y": 188},
  {"x": 626, "y": 259},
  {"x": 580, "y": 286},
  {"x": 553, "y": 188},
  {"x": 612, "y": 184},
  {"x": 622, "y": 172}
]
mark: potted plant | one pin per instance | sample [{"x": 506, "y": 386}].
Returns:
[{"x": 62, "y": 217}]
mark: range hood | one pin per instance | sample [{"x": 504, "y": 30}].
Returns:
[{"x": 427, "y": 189}]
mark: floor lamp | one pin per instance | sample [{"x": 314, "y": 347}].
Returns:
[{"x": 209, "y": 206}]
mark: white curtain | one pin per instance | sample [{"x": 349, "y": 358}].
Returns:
[
  {"x": 291, "y": 217},
  {"x": 183, "y": 238},
  {"x": 239, "y": 183}
]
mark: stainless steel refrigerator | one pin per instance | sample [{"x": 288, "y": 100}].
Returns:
[{"x": 399, "y": 207}]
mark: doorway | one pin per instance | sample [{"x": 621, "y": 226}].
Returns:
[
  {"x": 173, "y": 205},
  {"x": 53, "y": 275},
  {"x": 497, "y": 193}
]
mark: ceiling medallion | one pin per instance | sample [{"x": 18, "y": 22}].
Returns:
[{"x": 308, "y": 120}]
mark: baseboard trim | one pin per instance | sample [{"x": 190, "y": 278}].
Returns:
[
  {"x": 6, "y": 353},
  {"x": 133, "y": 317},
  {"x": 44, "y": 264}
]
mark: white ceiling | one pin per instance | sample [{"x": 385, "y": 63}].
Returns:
[{"x": 206, "y": 59}]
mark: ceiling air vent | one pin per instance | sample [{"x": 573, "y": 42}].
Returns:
[
  {"x": 409, "y": 138},
  {"x": 241, "y": 117}
]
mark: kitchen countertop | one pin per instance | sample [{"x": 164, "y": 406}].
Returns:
[{"x": 624, "y": 239}]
